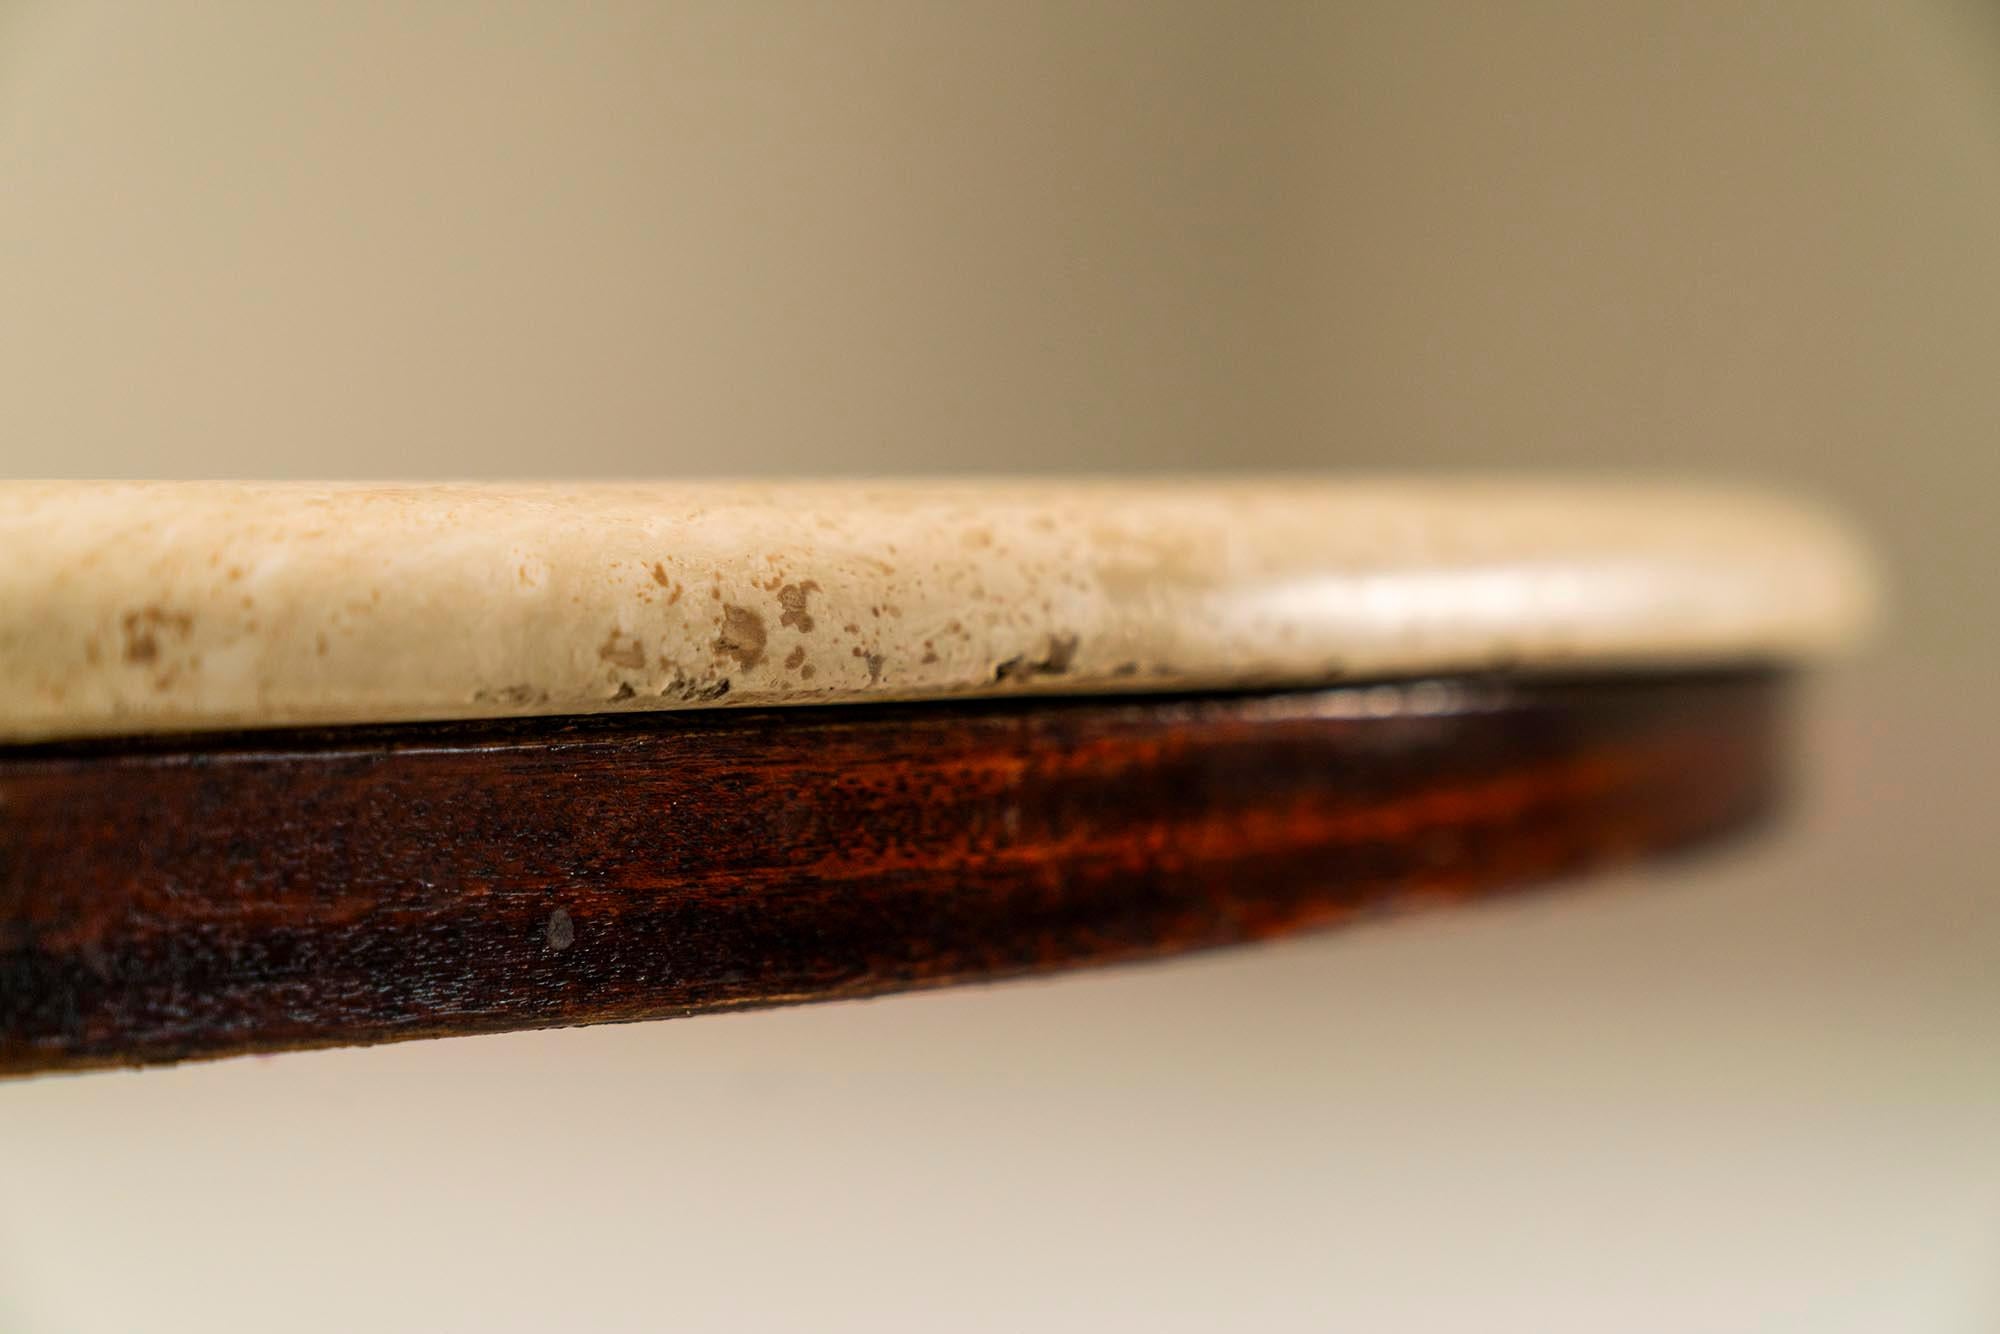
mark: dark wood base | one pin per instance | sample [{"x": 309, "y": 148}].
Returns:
[{"x": 202, "y": 896}]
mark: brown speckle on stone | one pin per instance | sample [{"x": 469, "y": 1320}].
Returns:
[
  {"x": 792, "y": 599},
  {"x": 514, "y": 696},
  {"x": 621, "y": 650},
  {"x": 144, "y": 627},
  {"x": 795, "y": 658},
  {"x": 742, "y": 635}
]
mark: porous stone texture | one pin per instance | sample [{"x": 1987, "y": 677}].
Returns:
[{"x": 141, "y": 607}]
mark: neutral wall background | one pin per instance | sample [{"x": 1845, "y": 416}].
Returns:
[{"x": 1755, "y": 1092}]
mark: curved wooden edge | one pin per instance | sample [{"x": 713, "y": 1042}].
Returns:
[{"x": 201, "y": 897}]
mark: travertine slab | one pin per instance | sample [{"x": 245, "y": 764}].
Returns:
[{"x": 129, "y": 607}]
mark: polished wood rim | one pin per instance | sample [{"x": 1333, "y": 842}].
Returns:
[{"x": 202, "y": 896}]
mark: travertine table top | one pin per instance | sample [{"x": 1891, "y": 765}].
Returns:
[{"x": 134, "y": 607}]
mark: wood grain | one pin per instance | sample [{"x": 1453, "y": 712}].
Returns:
[{"x": 201, "y": 896}]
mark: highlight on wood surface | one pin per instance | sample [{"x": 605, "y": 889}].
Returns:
[{"x": 200, "y": 896}]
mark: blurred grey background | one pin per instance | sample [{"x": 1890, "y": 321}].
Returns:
[{"x": 1762, "y": 240}]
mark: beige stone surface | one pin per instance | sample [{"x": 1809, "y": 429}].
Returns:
[{"x": 131, "y": 607}]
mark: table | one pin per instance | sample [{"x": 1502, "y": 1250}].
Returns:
[{"x": 292, "y": 766}]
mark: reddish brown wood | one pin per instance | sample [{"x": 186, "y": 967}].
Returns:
[{"x": 203, "y": 896}]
